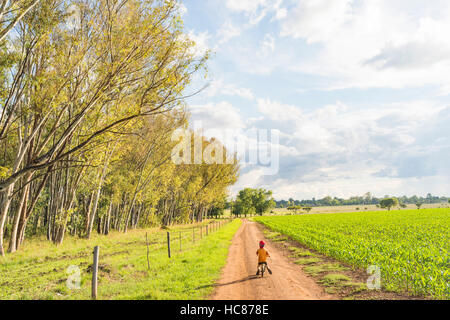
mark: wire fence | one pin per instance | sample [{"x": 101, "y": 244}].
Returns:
[{"x": 174, "y": 240}]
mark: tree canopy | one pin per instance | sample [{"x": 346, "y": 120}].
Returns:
[
  {"x": 91, "y": 93},
  {"x": 253, "y": 201},
  {"x": 389, "y": 203}
]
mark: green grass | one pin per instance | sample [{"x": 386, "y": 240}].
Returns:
[
  {"x": 411, "y": 247},
  {"x": 39, "y": 270},
  {"x": 279, "y": 238},
  {"x": 333, "y": 279},
  {"x": 334, "y": 282},
  {"x": 300, "y": 252},
  {"x": 339, "y": 280},
  {"x": 306, "y": 261},
  {"x": 325, "y": 267}
]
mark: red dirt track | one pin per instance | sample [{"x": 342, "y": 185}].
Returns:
[{"x": 239, "y": 280}]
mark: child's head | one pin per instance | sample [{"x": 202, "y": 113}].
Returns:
[{"x": 261, "y": 244}]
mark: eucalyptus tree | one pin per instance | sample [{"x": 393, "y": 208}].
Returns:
[{"x": 74, "y": 83}]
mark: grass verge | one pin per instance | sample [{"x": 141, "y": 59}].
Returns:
[{"x": 40, "y": 271}]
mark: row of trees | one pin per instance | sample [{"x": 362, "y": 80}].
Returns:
[
  {"x": 366, "y": 199},
  {"x": 297, "y": 208},
  {"x": 386, "y": 203},
  {"x": 394, "y": 202},
  {"x": 90, "y": 95},
  {"x": 252, "y": 201}
]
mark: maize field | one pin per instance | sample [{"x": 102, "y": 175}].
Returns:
[{"x": 411, "y": 247}]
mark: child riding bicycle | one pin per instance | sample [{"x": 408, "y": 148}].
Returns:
[{"x": 262, "y": 254}]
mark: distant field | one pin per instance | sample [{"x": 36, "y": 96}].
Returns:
[
  {"x": 355, "y": 208},
  {"x": 411, "y": 247},
  {"x": 39, "y": 271}
]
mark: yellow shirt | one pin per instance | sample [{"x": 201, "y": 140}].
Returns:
[{"x": 262, "y": 255}]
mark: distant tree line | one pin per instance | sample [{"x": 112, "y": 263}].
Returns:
[{"x": 366, "y": 199}]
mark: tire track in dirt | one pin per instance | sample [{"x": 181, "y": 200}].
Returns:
[{"x": 239, "y": 280}]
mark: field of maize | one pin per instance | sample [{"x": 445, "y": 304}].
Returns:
[{"x": 411, "y": 247}]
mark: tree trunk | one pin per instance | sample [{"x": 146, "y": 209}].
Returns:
[
  {"x": 108, "y": 219},
  {"x": 88, "y": 216},
  {"x": 19, "y": 212},
  {"x": 36, "y": 224},
  {"x": 4, "y": 208}
]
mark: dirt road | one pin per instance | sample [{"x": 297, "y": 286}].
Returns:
[{"x": 239, "y": 282}]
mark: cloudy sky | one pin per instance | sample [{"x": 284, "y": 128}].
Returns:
[{"x": 358, "y": 89}]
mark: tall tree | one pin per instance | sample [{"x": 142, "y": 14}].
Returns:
[{"x": 74, "y": 90}]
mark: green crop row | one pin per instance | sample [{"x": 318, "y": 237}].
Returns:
[{"x": 411, "y": 247}]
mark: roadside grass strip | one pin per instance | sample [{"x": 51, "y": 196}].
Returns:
[{"x": 40, "y": 270}]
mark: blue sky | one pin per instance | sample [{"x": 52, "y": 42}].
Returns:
[{"x": 359, "y": 90}]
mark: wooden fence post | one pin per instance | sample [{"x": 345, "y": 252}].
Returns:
[
  {"x": 94, "y": 273},
  {"x": 206, "y": 229},
  {"x": 168, "y": 243},
  {"x": 201, "y": 232}
]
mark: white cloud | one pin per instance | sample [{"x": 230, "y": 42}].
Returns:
[
  {"x": 256, "y": 10},
  {"x": 345, "y": 188},
  {"x": 277, "y": 111},
  {"x": 281, "y": 14},
  {"x": 342, "y": 150},
  {"x": 219, "y": 87},
  {"x": 245, "y": 5},
  {"x": 249, "y": 179},
  {"x": 220, "y": 116},
  {"x": 227, "y": 32},
  {"x": 410, "y": 55},
  {"x": 374, "y": 43},
  {"x": 259, "y": 56},
  {"x": 316, "y": 20},
  {"x": 268, "y": 44}
]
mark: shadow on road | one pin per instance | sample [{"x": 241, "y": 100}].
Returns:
[{"x": 253, "y": 277}]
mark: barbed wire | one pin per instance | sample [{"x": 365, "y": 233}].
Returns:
[{"x": 184, "y": 232}]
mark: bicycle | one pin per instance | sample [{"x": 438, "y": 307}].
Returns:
[{"x": 262, "y": 268}]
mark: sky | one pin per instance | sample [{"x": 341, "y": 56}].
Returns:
[{"x": 358, "y": 91}]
